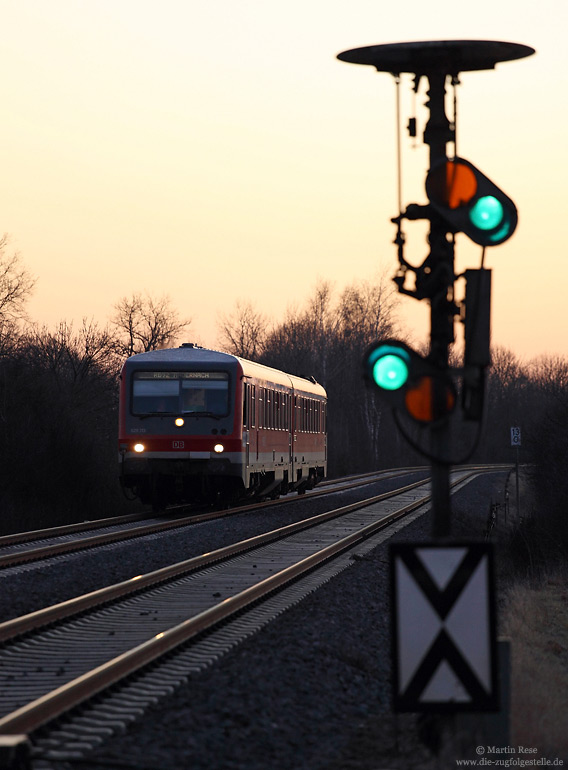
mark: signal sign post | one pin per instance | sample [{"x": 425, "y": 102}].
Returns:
[
  {"x": 516, "y": 437},
  {"x": 444, "y": 649},
  {"x": 516, "y": 442},
  {"x": 447, "y": 586}
]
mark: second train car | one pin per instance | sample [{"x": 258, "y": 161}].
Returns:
[{"x": 197, "y": 425}]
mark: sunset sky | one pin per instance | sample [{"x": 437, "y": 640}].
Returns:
[{"x": 216, "y": 151}]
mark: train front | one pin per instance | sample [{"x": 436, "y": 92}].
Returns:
[{"x": 180, "y": 426}]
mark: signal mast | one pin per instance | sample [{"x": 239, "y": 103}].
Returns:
[{"x": 461, "y": 199}]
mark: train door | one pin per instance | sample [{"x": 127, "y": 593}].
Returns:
[
  {"x": 292, "y": 435},
  {"x": 250, "y": 431},
  {"x": 253, "y": 424}
]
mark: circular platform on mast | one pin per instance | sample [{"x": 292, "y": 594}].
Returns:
[{"x": 440, "y": 56}]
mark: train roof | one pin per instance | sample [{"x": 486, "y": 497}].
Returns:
[{"x": 189, "y": 353}]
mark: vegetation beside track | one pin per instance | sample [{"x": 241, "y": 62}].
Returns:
[
  {"x": 535, "y": 603},
  {"x": 532, "y": 595},
  {"x": 535, "y": 618}
]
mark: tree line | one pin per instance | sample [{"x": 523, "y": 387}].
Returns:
[
  {"x": 327, "y": 338},
  {"x": 59, "y": 402},
  {"x": 59, "y": 393}
]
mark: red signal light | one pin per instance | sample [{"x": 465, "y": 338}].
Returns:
[
  {"x": 429, "y": 399},
  {"x": 455, "y": 184}
]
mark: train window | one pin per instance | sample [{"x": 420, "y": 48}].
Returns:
[
  {"x": 252, "y": 405},
  {"x": 275, "y": 409},
  {"x": 158, "y": 396},
  {"x": 210, "y": 394},
  {"x": 180, "y": 393}
]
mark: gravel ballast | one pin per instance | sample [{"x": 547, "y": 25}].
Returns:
[{"x": 30, "y": 587}]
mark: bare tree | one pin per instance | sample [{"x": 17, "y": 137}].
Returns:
[
  {"x": 16, "y": 284},
  {"x": 367, "y": 310},
  {"x": 506, "y": 369},
  {"x": 58, "y": 412},
  {"x": 145, "y": 323},
  {"x": 327, "y": 339},
  {"x": 243, "y": 332},
  {"x": 549, "y": 373},
  {"x": 72, "y": 359}
]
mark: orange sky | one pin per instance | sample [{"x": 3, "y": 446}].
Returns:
[{"x": 219, "y": 151}]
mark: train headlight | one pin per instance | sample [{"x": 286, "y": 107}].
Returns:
[
  {"x": 218, "y": 448},
  {"x": 139, "y": 447},
  {"x": 179, "y": 421}
]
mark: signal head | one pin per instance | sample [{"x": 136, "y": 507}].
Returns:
[
  {"x": 470, "y": 202},
  {"x": 409, "y": 381}
]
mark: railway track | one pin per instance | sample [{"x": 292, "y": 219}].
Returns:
[
  {"x": 46, "y": 543},
  {"x": 54, "y": 659}
]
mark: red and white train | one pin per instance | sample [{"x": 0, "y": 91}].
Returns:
[{"x": 199, "y": 425}]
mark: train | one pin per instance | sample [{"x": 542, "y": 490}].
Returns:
[{"x": 207, "y": 427}]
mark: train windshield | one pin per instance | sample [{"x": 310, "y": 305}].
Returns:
[{"x": 196, "y": 393}]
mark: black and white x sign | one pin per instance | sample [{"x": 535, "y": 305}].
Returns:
[{"x": 444, "y": 645}]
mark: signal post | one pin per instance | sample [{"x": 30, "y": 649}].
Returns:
[
  {"x": 442, "y": 307},
  {"x": 450, "y": 664},
  {"x": 461, "y": 199}
]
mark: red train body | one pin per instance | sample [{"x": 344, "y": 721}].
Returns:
[{"x": 199, "y": 425}]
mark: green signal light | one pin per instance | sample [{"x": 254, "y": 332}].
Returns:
[
  {"x": 390, "y": 370},
  {"x": 501, "y": 234},
  {"x": 487, "y": 213}
]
